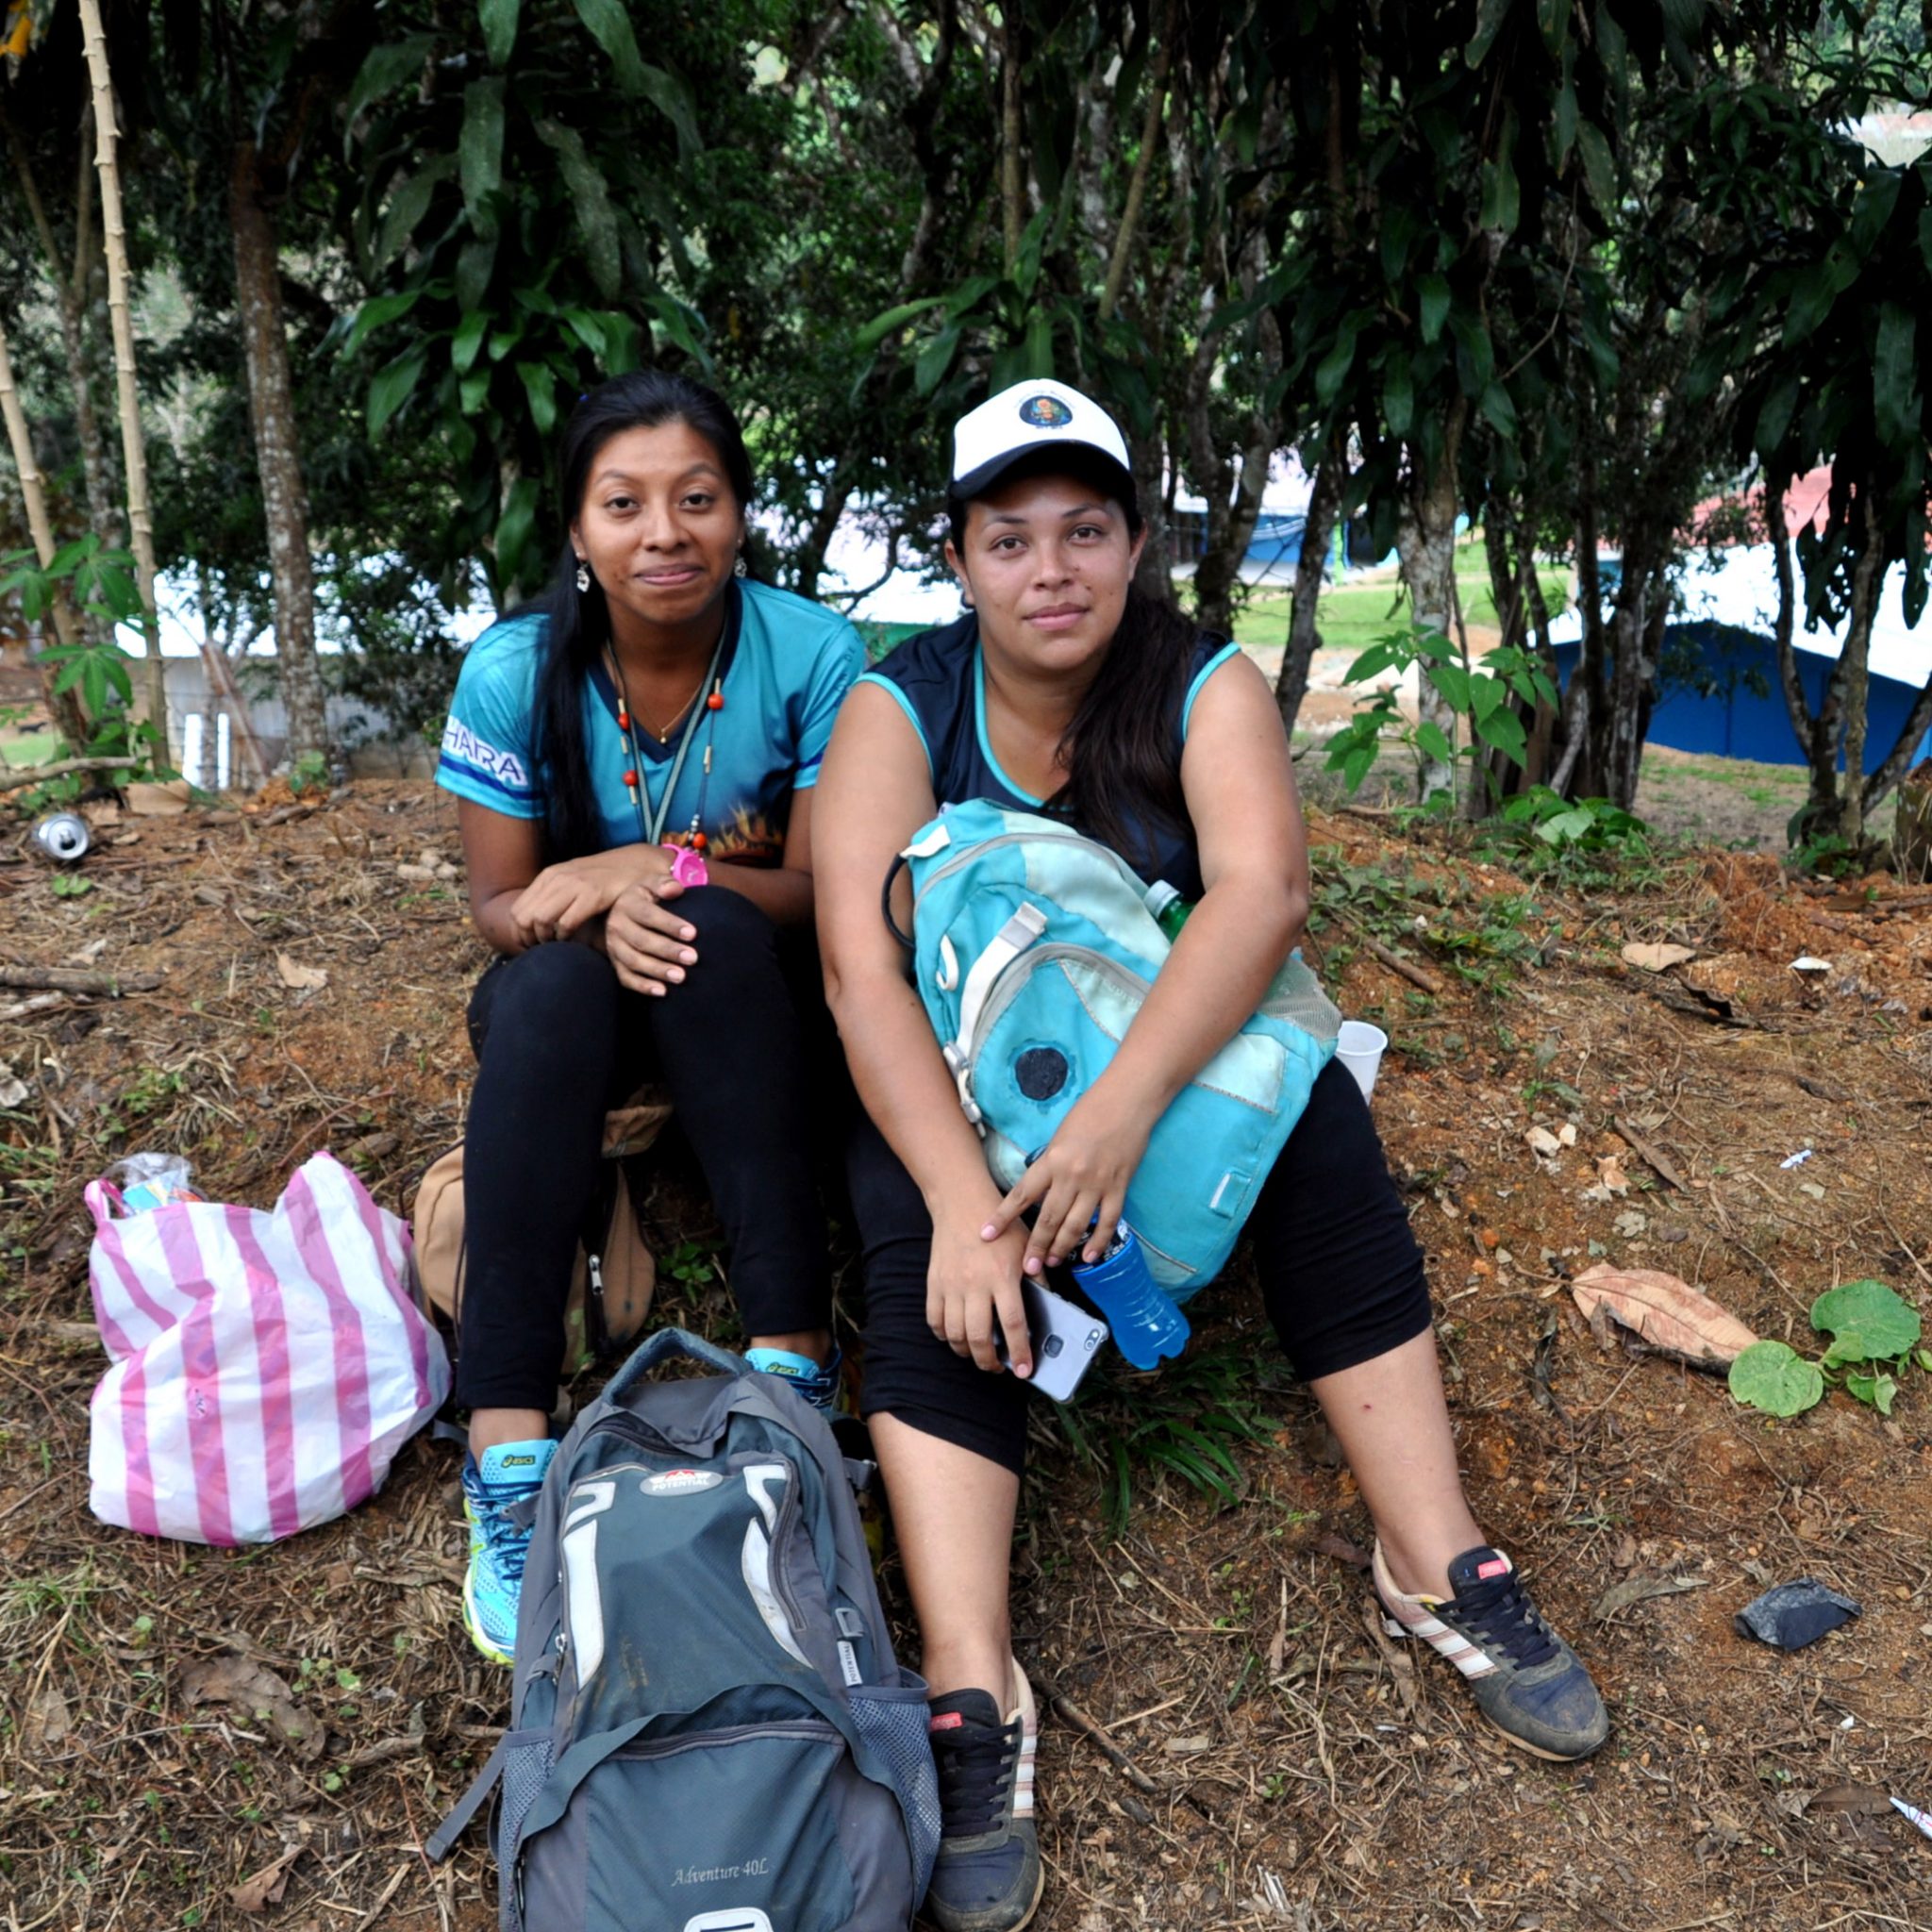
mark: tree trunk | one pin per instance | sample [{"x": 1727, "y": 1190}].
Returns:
[
  {"x": 133, "y": 450},
  {"x": 278, "y": 455},
  {"x": 1911, "y": 845},
  {"x": 64, "y": 705},
  {"x": 1868, "y": 580},
  {"x": 1304, "y": 640},
  {"x": 1425, "y": 543},
  {"x": 69, "y": 289},
  {"x": 1144, "y": 161}
]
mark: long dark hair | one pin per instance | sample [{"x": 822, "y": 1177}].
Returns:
[
  {"x": 579, "y": 621},
  {"x": 1122, "y": 750}
]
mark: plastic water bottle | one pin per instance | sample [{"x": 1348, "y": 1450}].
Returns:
[
  {"x": 1169, "y": 909},
  {"x": 1147, "y": 1326}
]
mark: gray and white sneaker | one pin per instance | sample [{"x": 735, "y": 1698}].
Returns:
[
  {"x": 1526, "y": 1679},
  {"x": 988, "y": 1877}
]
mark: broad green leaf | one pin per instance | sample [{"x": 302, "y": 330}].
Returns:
[
  {"x": 930, "y": 365},
  {"x": 1894, "y": 366},
  {"x": 1599, "y": 170},
  {"x": 1398, "y": 394},
  {"x": 407, "y": 207},
  {"x": 589, "y": 328},
  {"x": 392, "y": 387},
  {"x": 969, "y": 294},
  {"x": 1567, "y": 828},
  {"x": 1485, "y": 694},
  {"x": 1488, "y": 24},
  {"x": 479, "y": 148},
  {"x": 682, "y": 325},
  {"x": 1612, "y": 48},
  {"x": 1499, "y": 411},
  {"x": 473, "y": 390},
  {"x": 1877, "y": 1388},
  {"x": 540, "y": 384},
  {"x": 1866, "y": 1322},
  {"x": 499, "y": 19},
  {"x": 609, "y": 23},
  {"x": 591, "y": 202},
  {"x": 515, "y": 530},
  {"x": 1553, "y": 21},
  {"x": 377, "y": 314},
  {"x": 1774, "y": 417},
  {"x": 1502, "y": 206},
  {"x": 475, "y": 262},
  {"x": 882, "y": 325},
  {"x": 1333, "y": 368},
  {"x": 1451, "y": 680},
  {"x": 1434, "y": 741},
  {"x": 1504, "y": 730},
  {"x": 467, "y": 340},
  {"x": 1432, "y": 295},
  {"x": 1563, "y": 127},
  {"x": 1774, "y": 1378},
  {"x": 384, "y": 69}
]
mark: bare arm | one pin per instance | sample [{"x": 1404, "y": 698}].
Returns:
[
  {"x": 1238, "y": 782},
  {"x": 874, "y": 793}
]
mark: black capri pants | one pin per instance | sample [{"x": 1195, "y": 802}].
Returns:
[
  {"x": 740, "y": 1044},
  {"x": 1341, "y": 1275}
]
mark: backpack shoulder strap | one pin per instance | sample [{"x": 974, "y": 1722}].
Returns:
[{"x": 445, "y": 1835}]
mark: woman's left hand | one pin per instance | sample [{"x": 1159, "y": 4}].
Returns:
[
  {"x": 1078, "y": 1183},
  {"x": 564, "y": 898}
]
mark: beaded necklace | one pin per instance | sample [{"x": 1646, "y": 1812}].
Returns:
[{"x": 651, "y": 827}]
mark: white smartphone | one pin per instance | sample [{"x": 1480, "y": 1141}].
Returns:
[{"x": 1066, "y": 1337}]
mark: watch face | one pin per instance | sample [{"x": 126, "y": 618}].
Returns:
[{"x": 1046, "y": 412}]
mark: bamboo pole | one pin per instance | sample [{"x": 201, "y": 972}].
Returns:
[
  {"x": 133, "y": 451},
  {"x": 66, "y": 706}
]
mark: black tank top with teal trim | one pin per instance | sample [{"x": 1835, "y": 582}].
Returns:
[{"x": 940, "y": 682}]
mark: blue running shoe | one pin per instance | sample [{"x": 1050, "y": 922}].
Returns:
[
  {"x": 510, "y": 1474},
  {"x": 821, "y": 1386},
  {"x": 1524, "y": 1678}
]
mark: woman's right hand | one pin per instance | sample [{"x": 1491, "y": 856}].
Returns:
[
  {"x": 648, "y": 939},
  {"x": 973, "y": 1293}
]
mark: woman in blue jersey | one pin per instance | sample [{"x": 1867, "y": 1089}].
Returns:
[
  {"x": 1066, "y": 690},
  {"x": 634, "y": 755}
]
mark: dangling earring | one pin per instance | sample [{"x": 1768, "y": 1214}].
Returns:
[
  {"x": 738, "y": 568},
  {"x": 583, "y": 576}
]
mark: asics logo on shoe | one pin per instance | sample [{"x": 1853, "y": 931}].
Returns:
[{"x": 516, "y": 1462}]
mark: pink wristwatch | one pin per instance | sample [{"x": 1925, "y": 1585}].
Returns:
[{"x": 687, "y": 866}]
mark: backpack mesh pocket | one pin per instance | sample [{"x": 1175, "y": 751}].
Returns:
[{"x": 891, "y": 1720}]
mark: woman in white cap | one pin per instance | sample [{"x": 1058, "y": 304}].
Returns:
[{"x": 1065, "y": 689}]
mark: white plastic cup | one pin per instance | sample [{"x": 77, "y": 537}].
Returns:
[{"x": 1360, "y": 1048}]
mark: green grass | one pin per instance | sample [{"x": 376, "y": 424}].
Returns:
[
  {"x": 1354, "y": 614},
  {"x": 29, "y": 748}
]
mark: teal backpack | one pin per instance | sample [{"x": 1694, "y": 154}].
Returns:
[{"x": 1033, "y": 949}]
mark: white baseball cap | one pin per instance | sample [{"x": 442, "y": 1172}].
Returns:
[{"x": 1041, "y": 414}]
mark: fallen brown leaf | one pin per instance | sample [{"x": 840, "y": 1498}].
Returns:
[
  {"x": 1329, "y": 1545},
  {"x": 255, "y": 1690},
  {"x": 297, "y": 976},
  {"x": 1637, "y": 1590},
  {"x": 265, "y": 1888},
  {"x": 1657, "y": 958},
  {"x": 149, "y": 799},
  {"x": 1669, "y": 1314}
]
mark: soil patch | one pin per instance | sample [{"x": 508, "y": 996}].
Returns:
[{"x": 1295, "y": 1771}]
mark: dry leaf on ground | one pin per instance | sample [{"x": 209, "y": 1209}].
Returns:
[
  {"x": 1657, "y": 958},
  {"x": 149, "y": 799},
  {"x": 297, "y": 976},
  {"x": 266, "y": 1887},
  {"x": 1637, "y": 1590},
  {"x": 1669, "y": 1314},
  {"x": 255, "y": 1690}
]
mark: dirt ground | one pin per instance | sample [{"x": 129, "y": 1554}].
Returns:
[{"x": 1269, "y": 1760}]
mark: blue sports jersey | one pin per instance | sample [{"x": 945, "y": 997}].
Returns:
[{"x": 787, "y": 666}]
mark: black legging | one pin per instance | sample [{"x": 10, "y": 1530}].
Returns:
[
  {"x": 1342, "y": 1275},
  {"x": 558, "y": 1042}
]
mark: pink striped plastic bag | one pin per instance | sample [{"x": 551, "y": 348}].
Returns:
[{"x": 266, "y": 1367}]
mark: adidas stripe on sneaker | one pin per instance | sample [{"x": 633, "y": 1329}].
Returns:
[{"x": 1524, "y": 1678}]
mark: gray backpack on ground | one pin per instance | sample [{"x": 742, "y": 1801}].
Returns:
[{"x": 709, "y": 1732}]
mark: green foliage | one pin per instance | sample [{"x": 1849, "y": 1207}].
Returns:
[
  {"x": 1587, "y": 825},
  {"x": 1483, "y": 699},
  {"x": 1866, "y": 1322},
  {"x": 1774, "y": 1378},
  {"x": 1874, "y": 1340},
  {"x": 1187, "y": 1420}
]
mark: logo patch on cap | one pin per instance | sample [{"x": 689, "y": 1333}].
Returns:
[{"x": 1046, "y": 412}]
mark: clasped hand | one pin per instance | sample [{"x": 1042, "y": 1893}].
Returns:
[
  {"x": 1079, "y": 1184},
  {"x": 564, "y": 898},
  {"x": 647, "y": 939}
]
